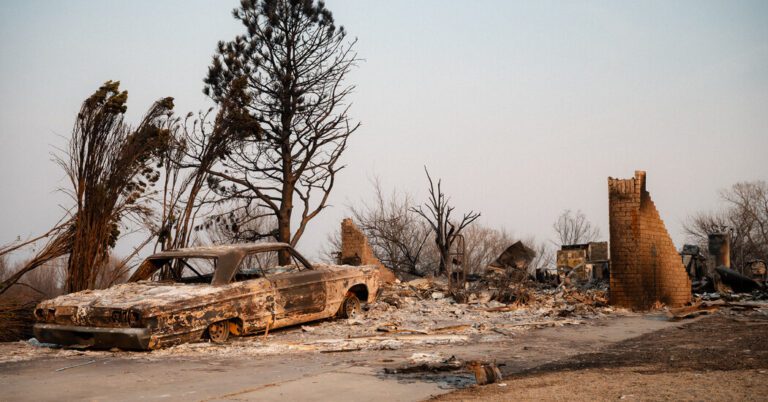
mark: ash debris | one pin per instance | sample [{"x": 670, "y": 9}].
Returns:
[{"x": 418, "y": 314}]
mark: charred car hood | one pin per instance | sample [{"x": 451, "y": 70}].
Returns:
[{"x": 136, "y": 295}]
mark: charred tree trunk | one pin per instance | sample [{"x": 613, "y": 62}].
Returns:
[
  {"x": 438, "y": 215},
  {"x": 284, "y": 223},
  {"x": 87, "y": 256},
  {"x": 444, "y": 256}
]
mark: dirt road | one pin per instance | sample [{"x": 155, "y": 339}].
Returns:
[
  {"x": 204, "y": 372},
  {"x": 719, "y": 358}
]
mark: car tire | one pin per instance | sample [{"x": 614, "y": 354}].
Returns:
[
  {"x": 350, "y": 307},
  {"x": 218, "y": 332}
]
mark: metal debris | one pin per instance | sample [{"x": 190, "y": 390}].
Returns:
[{"x": 76, "y": 365}]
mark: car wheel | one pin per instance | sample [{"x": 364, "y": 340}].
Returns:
[
  {"x": 218, "y": 332},
  {"x": 350, "y": 307}
]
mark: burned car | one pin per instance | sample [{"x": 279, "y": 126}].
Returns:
[{"x": 206, "y": 293}]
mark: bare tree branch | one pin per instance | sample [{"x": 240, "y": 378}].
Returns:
[
  {"x": 293, "y": 62},
  {"x": 438, "y": 215},
  {"x": 574, "y": 228}
]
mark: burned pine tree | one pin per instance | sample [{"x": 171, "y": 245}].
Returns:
[
  {"x": 438, "y": 215},
  {"x": 293, "y": 60},
  {"x": 109, "y": 165}
]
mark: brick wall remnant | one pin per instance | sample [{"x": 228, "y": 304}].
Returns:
[
  {"x": 355, "y": 249},
  {"x": 645, "y": 267}
]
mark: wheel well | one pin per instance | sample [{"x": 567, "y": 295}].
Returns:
[
  {"x": 361, "y": 291},
  {"x": 235, "y": 327}
]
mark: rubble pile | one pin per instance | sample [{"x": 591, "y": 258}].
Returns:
[
  {"x": 421, "y": 313},
  {"x": 728, "y": 296},
  {"x": 428, "y": 306}
]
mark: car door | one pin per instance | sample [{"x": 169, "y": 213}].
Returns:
[
  {"x": 256, "y": 304},
  {"x": 299, "y": 293}
]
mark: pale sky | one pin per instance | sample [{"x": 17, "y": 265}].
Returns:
[{"x": 522, "y": 108}]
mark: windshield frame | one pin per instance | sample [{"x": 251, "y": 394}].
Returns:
[{"x": 227, "y": 262}]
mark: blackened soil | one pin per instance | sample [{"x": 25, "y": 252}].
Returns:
[{"x": 723, "y": 342}]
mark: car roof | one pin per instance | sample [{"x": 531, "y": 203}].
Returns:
[
  {"x": 228, "y": 257},
  {"x": 220, "y": 250}
]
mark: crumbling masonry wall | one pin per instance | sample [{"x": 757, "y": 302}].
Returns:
[
  {"x": 355, "y": 249},
  {"x": 645, "y": 267}
]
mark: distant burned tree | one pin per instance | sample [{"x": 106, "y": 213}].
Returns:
[
  {"x": 486, "y": 244},
  {"x": 109, "y": 165},
  {"x": 483, "y": 245},
  {"x": 44, "y": 283},
  {"x": 744, "y": 215},
  {"x": 545, "y": 258},
  {"x": 574, "y": 228},
  {"x": 700, "y": 224},
  {"x": 395, "y": 232},
  {"x": 438, "y": 215},
  {"x": 293, "y": 60},
  {"x": 749, "y": 202},
  {"x": 58, "y": 243}
]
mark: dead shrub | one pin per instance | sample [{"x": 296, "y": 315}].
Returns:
[
  {"x": 16, "y": 319},
  {"x": 113, "y": 272},
  {"x": 46, "y": 282},
  {"x": 18, "y": 303}
]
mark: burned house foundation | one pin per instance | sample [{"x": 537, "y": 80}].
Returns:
[
  {"x": 582, "y": 263},
  {"x": 646, "y": 269}
]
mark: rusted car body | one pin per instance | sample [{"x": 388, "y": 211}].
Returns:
[{"x": 155, "y": 309}]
